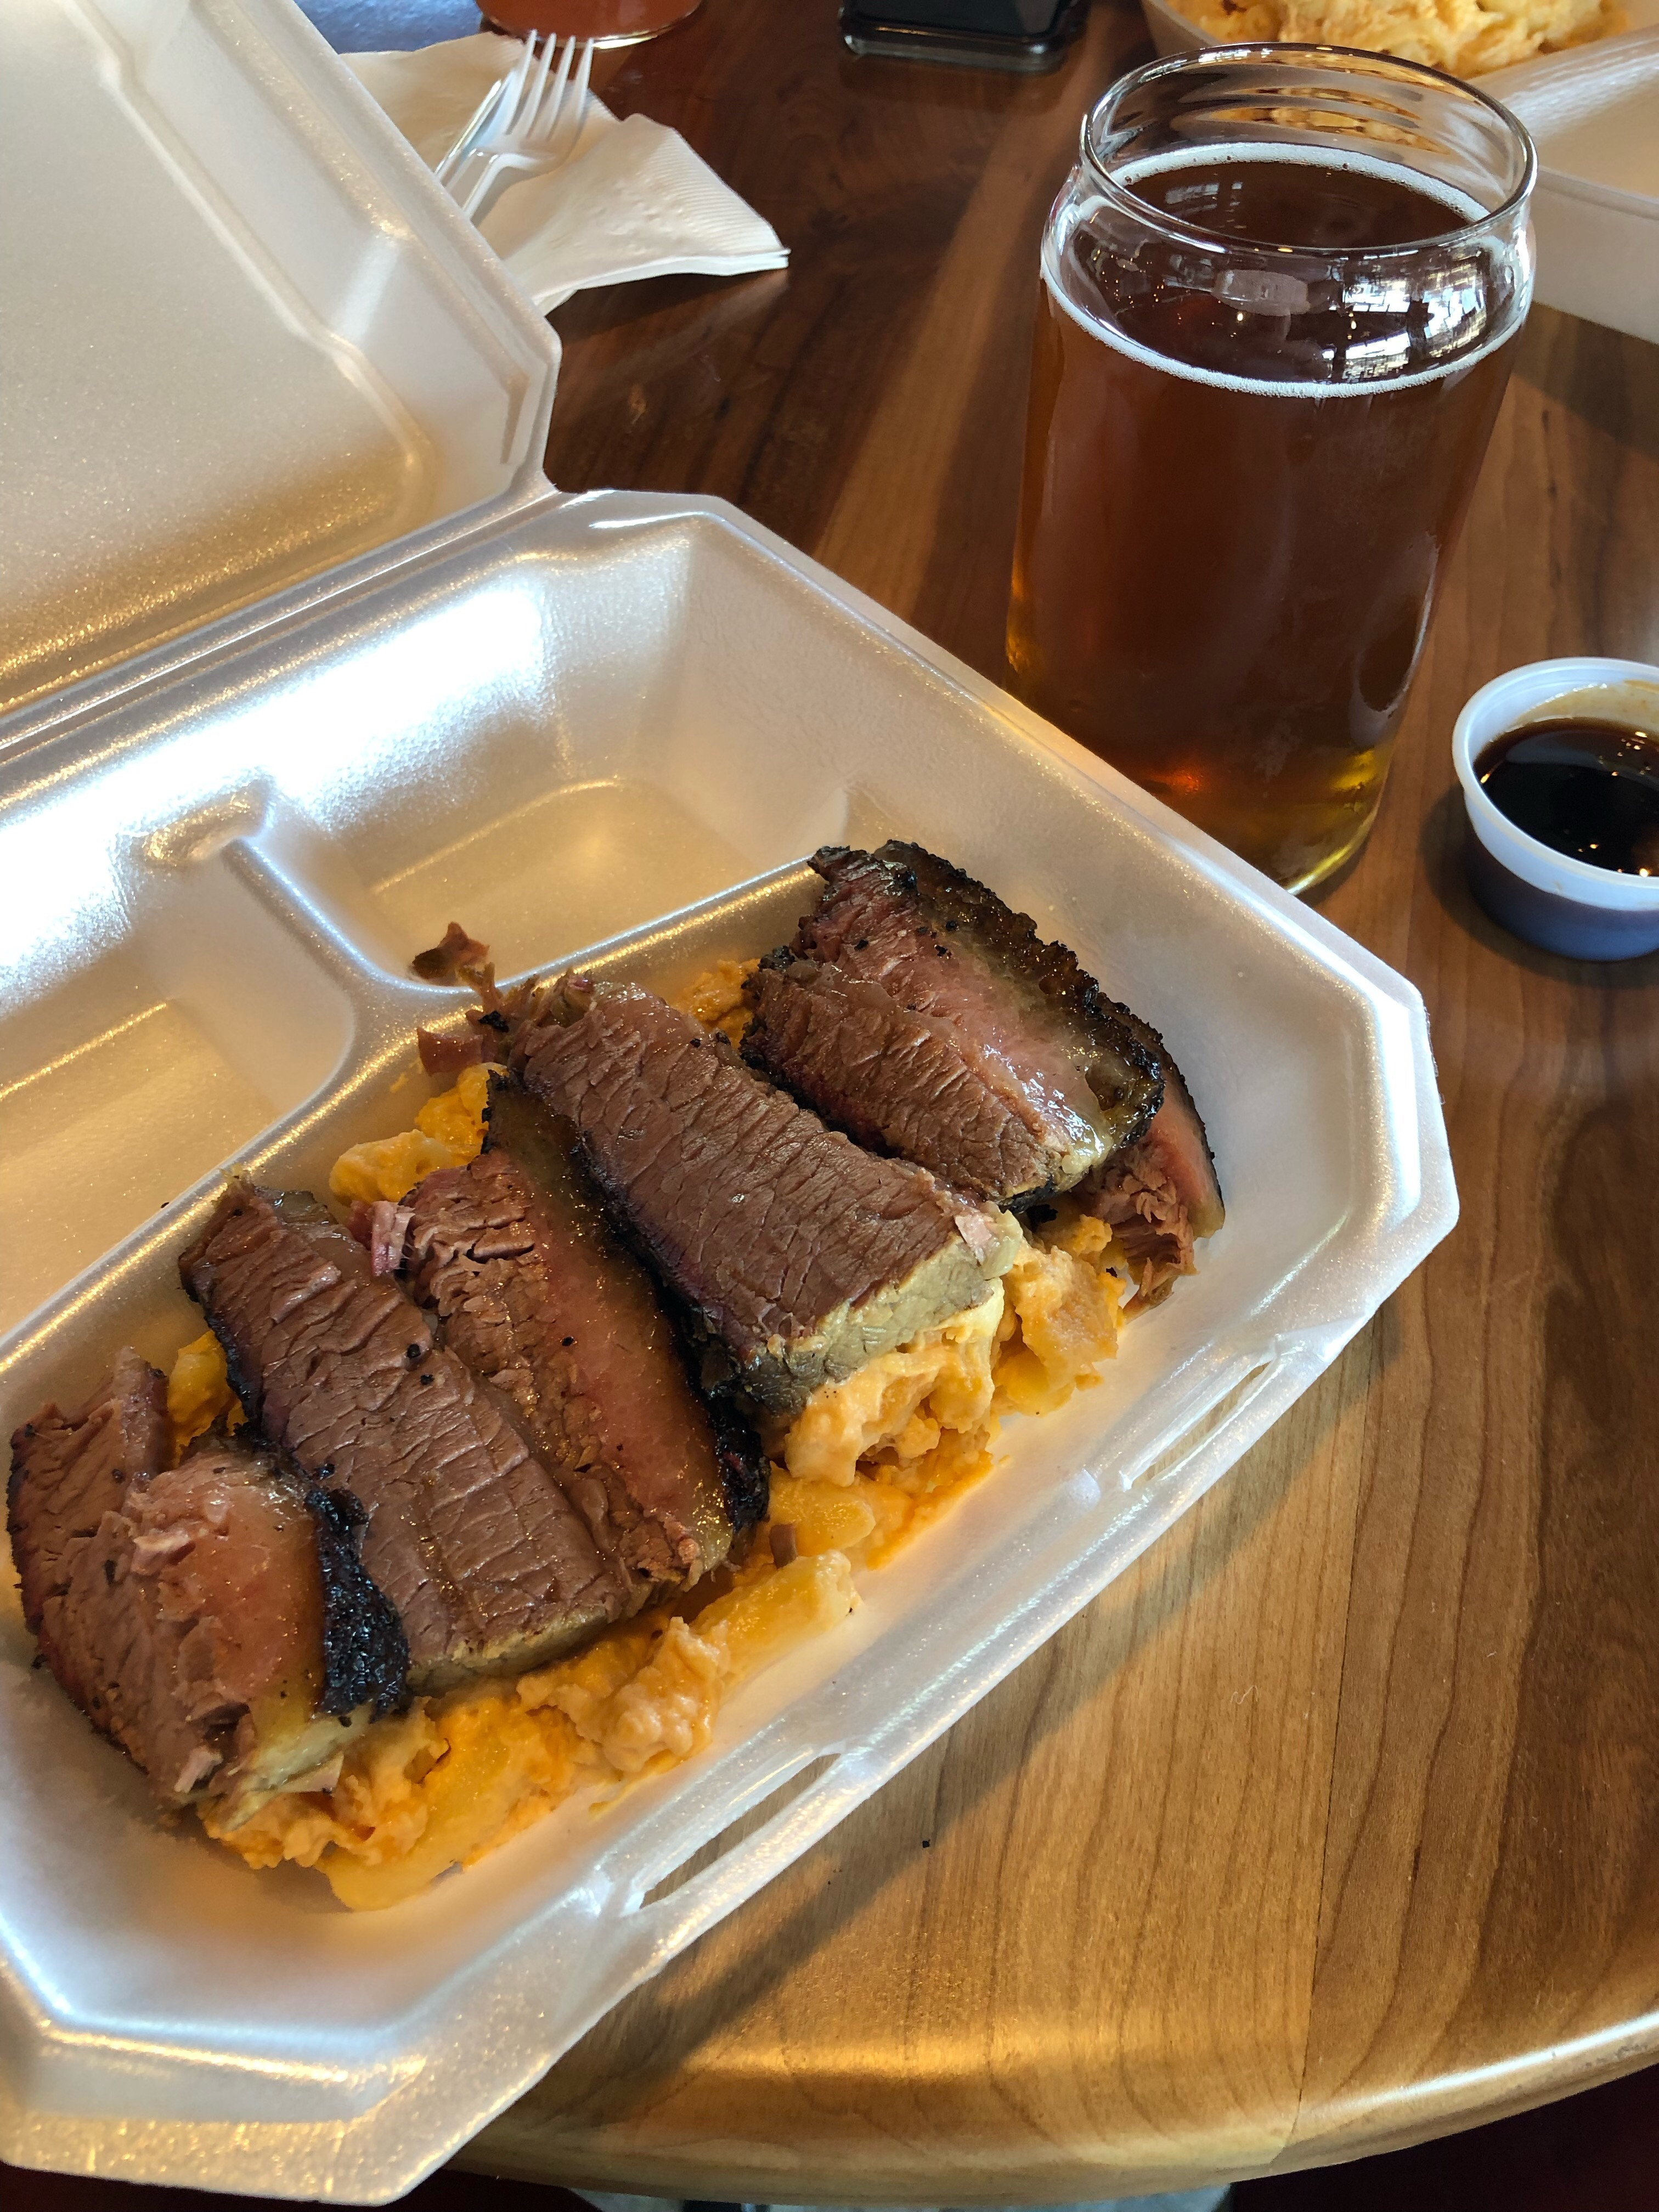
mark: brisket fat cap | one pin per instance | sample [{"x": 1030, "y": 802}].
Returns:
[
  {"x": 800, "y": 1255},
  {"x": 487, "y": 1563},
  {"x": 1037, "y": 1030},
  {"x": 540, "y": 1297},
  {"x": 182, "y": 1609}
]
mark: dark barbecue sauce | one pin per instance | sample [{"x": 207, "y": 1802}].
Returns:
[{"x": 1586, "y": 788}]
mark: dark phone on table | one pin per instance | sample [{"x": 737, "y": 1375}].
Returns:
[{"x": 1013, "y": 34}]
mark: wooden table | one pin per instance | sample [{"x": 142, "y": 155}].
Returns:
[{"x": 1335, "y": 1823}]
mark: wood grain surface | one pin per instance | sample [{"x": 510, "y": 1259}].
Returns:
[{"x": 1334, "y": 1824}]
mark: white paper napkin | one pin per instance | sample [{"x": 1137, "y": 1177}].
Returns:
[{"x": 633, "y": 201}]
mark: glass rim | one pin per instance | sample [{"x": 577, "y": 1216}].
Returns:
[{"x": 1272, "y": 51}]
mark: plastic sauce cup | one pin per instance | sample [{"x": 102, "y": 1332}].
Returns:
[{"x": 1550, "y": 899}]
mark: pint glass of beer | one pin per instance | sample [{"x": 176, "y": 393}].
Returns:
[{"x": 1280, "y": 295}]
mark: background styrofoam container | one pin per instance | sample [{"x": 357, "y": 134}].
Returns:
[
  {"x": 247, "y": 337},
  {"x": 558, "y": 727},
  {"x": 1172, "y": 32},
  {"x": 1593, "y": 111}
]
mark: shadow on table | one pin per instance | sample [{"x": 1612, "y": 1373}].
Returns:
[
  {"x": 651, "y": 372},
  {"x": 614, "y": 307},
  {"x": 1612, "y": 381},
  {"x": 1440, "y": 849},
  {"x": 1597, "y": 2152}
]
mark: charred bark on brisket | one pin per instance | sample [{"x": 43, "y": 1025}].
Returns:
[
  {"x": 744, "y": 1470},
  {"x": 365, "y": 1651},
  {"x": 488, "y": 1563},
  {"x": 1037, "y": 1025}
]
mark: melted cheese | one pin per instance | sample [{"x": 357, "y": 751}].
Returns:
[
  {"x": 449, "y": 1130},
  {"x": 1040, "y": 1335},
  {"x": 454, "y": 1777},
  {"x": 903, "y": 1401},
  {"x": 1066, "y": 1307},
  {"x": 643, "y": 1711},
  {"x": 199, "y": 1393},
  {"x": 717, "y": 999}
]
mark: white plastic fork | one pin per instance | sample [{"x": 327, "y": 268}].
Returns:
[
  {"x": 504, "y": 89},
  {"x": 531, "y": 121}
]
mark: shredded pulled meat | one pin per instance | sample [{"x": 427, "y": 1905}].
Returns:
[
  {"x": 460, "y": 958},
  {"x": 447, "y": 1055},
  {"x": 454, "y": 953},
  {"x": 381, "y": 1227},
  {"x": 1147, "y": 1217},
  {"x": 499, "y": 1011}
]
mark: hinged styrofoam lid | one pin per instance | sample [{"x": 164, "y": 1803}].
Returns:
[{"x": 243, "y": 336}]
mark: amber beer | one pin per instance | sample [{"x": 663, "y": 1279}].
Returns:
[
  {"x": 1246, "y": 467},
  {"x": 607, "y": 22}
]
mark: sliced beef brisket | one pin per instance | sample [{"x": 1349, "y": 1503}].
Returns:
[
  {"x": 182, "y": 1609},
  {"x": 68, "y": 1470},
  {"x": 537, "y": 1294},
  {"x": 489, "y": 1564},
  {"x": 1018, "y": 1014},
  {"x": 970, "y": 982},
  {"x": 802, "y": 1256},
  {"x": 896, "y": 1082}
]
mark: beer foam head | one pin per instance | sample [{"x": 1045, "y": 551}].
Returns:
[{"x": 1254, "y": 286}]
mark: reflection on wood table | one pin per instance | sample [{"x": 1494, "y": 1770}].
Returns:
[{"x": 1334, "y": 1824}]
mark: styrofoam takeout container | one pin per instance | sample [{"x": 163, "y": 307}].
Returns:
[
  {"x": 604, "y": 728},
  {"x": 1594, "y": 113},
  {"x": 248, "y": 342}
]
